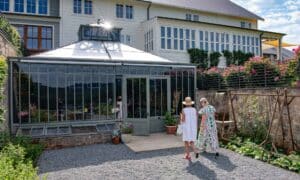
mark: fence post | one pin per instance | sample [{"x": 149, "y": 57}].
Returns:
[{"x": 265, "y": 72}]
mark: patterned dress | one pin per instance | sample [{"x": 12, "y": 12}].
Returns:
[{"x": 208, "y": 136}]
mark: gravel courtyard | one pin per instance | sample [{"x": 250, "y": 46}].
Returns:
[{"x": 107, "y": 161}]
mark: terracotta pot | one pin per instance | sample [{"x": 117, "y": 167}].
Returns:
[
  {"x": 116, "y": 140},
  {"x": 171, "y": 129},
  {"x": 298, "y": 84}
]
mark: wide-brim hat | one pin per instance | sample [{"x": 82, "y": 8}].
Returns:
[{"x": 188, "y": 101}]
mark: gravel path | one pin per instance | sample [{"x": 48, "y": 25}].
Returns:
[{"x": 107, "y": 161}]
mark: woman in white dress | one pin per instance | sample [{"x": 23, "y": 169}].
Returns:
[{"x": 189, "y": 118}]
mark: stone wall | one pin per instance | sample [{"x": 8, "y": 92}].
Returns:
[
  {"x": 6, "y": 48},
  {"x": 251, "y": 105},
  {"x": 74, "y": 140}
]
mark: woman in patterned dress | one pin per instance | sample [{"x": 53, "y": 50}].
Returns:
[{"x": 208, "y": 136}]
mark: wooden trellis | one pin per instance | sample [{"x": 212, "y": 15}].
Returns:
[{"x": 283, "y": 101}]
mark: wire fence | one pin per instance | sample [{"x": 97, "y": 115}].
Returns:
[{"x": 257, "y": 75}]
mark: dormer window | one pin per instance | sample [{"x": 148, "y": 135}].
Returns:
[
  {"x": 243, "y": 24},
  {"x": 98, "y": 33},
  {"x": 124, "y": 11},
  {"x": 188, "y": 17}
]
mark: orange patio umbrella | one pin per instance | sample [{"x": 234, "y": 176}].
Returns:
[{"x": 275, "y": 43}]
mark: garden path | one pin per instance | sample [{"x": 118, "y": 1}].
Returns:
[{"x": 108, "y": 161}]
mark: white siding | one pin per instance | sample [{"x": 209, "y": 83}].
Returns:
[{"x": 104, "y": 9}]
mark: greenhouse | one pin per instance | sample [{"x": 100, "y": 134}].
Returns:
[{"x": 80, "y": 85}]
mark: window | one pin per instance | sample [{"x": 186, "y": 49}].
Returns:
[
  {"x": 31, "y": 6},
  {"x": 46, "y": 38},
  {"x": 227, "y": 42},
  {"x": 239, "y": 42},
  {"x": 122, "y": 38},
  {"x": 129, "y": 12},
  {"x": 222, "y": 42},
  {"x": 77, "y": 6},
  {"x": 32, "y": 37},
  {"x": 19, "y": 5},
  {"x": 188, "y": 17},
  {"x": 252, "y": 43},
  {"x": 217, "y": 42},
  {"x": 195, "y": 17},
  {"x": 187, "y": 39},
  {"x": 128, "y": 39},
  {"x": 36, "y": 38},
  {"x": 162, "y": 38},
  {"x": 119, "y": 11},
  {"x": 88, "y": 7},
  {"x": 4, "y": 5},
  {"x": 206, "y": 41},
  {"x": 175, "y": 32},
  {"x": 43, "y": 6},
  {"x": 244, "y": 43},
  {"x": 248, "y": 44},
  {"x": 243, "y": 24},
  {"x": 169, "y": 36},
  {"x": 249, "y": 25},
  {"x": 181, "y": 42},
  {"x": 212, "y": 41},
  {"x": 193, "y": 39},
  {"x": 201, "y": 40},
  {"x": 234, "y": 42}
]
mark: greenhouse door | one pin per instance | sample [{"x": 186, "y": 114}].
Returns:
[{"x": 136, "y": 91}]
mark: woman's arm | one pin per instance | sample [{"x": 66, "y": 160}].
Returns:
[{"x": 182, "y": 117}]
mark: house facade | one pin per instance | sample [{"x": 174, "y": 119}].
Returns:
[
  {"x": 164, "y": 28},
  {"x": 38, "y": 22}
]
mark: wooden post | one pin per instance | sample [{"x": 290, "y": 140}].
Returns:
[
  {"x": 233, "y": 113},
  {"x": 289, "y": 118}
]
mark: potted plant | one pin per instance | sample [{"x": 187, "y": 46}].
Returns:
[
  {"x": 170, "y": 123},
  {"x": 116, "y": 137},
  {"x": 127, "y": 129}
]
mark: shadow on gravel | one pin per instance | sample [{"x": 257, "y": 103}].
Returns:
[
  {"x": 222, "y": 162},
  {"x": 200, "y": 170},
  {"x": 76, "y": 157}
]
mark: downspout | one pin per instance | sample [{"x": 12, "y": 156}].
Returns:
[
  {"x": 148, "y": 10},
  {"x": 260, "y": 45}
]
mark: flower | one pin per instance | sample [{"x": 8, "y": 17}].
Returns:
[{"x": 253, "y": 71}]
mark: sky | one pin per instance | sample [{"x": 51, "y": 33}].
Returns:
[{"x": 280, "y": 16}]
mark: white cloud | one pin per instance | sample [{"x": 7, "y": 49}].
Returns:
[{"x": 280, "y": 16}]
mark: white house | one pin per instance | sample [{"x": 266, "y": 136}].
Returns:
[{"x": 168, "y": 28}]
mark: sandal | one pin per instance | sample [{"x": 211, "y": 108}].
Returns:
[{"x": 187, "y": 157}]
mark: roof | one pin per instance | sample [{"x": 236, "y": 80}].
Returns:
[
  {"x": 225, "y": 7},
  {"x": 101, "y": 51},
  {"x": 286, "y": 54}
]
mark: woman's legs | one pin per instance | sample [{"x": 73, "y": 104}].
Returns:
[
  {"x": 187, "y": 147},
  {"x": 196, "y": 151}
]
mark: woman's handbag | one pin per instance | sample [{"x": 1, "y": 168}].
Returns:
[{"x": 179, "y": 130}]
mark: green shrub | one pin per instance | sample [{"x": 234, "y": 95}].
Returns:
[
  {"x": 262, "y": 72},
  {"x": 12, "y": 34},
  {"x": 239, "y": 57},
  {"x": 248, "y": 148},
  {"x": 229, "y": 57},
  {"x": 14, "y": 165},
  {"x": 214, "y": 58},
  {"x": 199, "y": 57},
  {"x": 169, "y": 119},
  {"x": 237, "y": 80}
]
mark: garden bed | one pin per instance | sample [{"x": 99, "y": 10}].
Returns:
[{"x": 246, "y": 147}]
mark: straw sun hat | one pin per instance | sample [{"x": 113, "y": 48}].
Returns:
[
  {"x": 188, "y": 101},
  {"x": 204, "y": 100}
]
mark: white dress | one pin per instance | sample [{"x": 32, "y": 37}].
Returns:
[
  {"x": 120, "y": 112},
  {"x": 189, "y": 127}
]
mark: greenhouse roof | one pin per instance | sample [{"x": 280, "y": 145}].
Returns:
[{"x": 101, "y": 51}]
